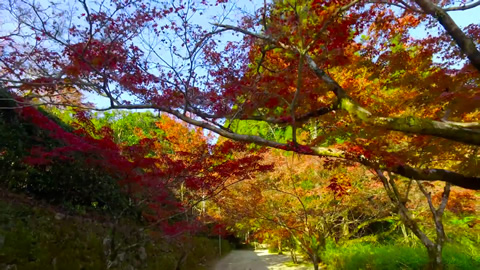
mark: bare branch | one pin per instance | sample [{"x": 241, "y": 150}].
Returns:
[
  {"x": 295, "y": 97},
  {"x": 413, "y": 125},
  {"x": 429, "y": 199},
  {"x": 463, "y": 7},
  {"x": 466, "y": 44},
  {"x": 445, "y": 195},
  {"x": 463, "y": 125},
  {"x": 400, "y": 4},
  {"x": 298, "y": 119}
]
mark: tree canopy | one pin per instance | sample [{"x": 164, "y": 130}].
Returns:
[{"x": 352, "y": 70}]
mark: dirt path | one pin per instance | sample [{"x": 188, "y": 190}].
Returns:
[{"x": 255, "y": 260}]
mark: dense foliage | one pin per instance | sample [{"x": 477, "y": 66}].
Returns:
[
  {"x": 110, "y": 171},
  {"x": 34, "y": 237},
  {"x": 353, "y": 68},
  {"x": 387, "y": 122}
]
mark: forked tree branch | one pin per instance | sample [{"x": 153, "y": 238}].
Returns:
[
  {"x": 464, "y": 7},
  {"x": 466, "y": 44},
  {"x": 455, "y": 132},
  {"x": 468, "y": 182},
  {"x": 458, "y": 179}
]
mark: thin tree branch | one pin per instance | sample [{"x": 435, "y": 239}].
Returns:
[
  {"x": 466, "y": 44},
  {"x": 464, "y": 7}
]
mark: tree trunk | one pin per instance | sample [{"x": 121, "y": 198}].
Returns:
[
  {"x": 315, "y": 261},
  {"x": 434, "y": 248},
  {"x": 435, "y": 257},
  {"x": 435, "y": 251},
  {"x": 293, "y": 255},
  {"x": 181, "y": 260}
]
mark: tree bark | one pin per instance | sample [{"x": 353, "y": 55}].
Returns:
[
  {"x": 466, "y": 44},
  {"x": 435, "y": 257},
  {"x": 315, "y": 261},
  {"x": 456, "y": 132},
  {"x": 293, "y": 255},
  {"x": 435, "y": 250}
]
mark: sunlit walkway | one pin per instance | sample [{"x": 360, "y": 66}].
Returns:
[{"x": 255, "y": 260}]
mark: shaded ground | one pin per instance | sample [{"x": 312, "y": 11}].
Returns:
[{"x": 255, "y": 260}]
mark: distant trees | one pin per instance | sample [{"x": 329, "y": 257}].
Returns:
[{"x": 301, "y": 205}]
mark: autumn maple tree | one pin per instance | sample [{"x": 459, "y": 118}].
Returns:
[
  {"x": 350, "y": 72},
  {"x": 302, "y": 206},
  {"x": 153, "y": 177},
  {"x": 351, "y": 66}
]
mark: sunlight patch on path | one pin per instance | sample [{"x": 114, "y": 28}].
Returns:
[{"x": 255, "y": 260}]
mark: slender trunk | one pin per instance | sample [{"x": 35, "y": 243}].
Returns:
[
  {"x": 292, "y": 250},
  {"x": 293, "y": 255},
  {"x": 181, "y": 260},
  {"x": 435, "y": 251},
  {"x": 315, "y": 261},
  {"x": 434, "y": 248},
  {"x": 435, "y": 257}
]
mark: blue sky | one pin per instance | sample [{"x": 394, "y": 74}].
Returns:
[{"x": 462, "y": 18}]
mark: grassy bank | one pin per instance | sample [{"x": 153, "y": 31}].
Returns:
[
  {"x": 42, "y": 237},
  {"x": 395, "y": 256}
]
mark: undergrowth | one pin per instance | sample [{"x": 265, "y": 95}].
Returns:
[
  {"x": 386, "y": 256},
  {"x": 40, "y": 238}
]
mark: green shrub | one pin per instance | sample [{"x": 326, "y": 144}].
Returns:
[
  {"x": 458, "y": 257},
  {"x": 272, "y": 249},
  {"x": 34, "y": 239},
  {"x": 73, "y": 183},
  {"x": 386, "y": 257},
  {"x": 204, "y": 250}
]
